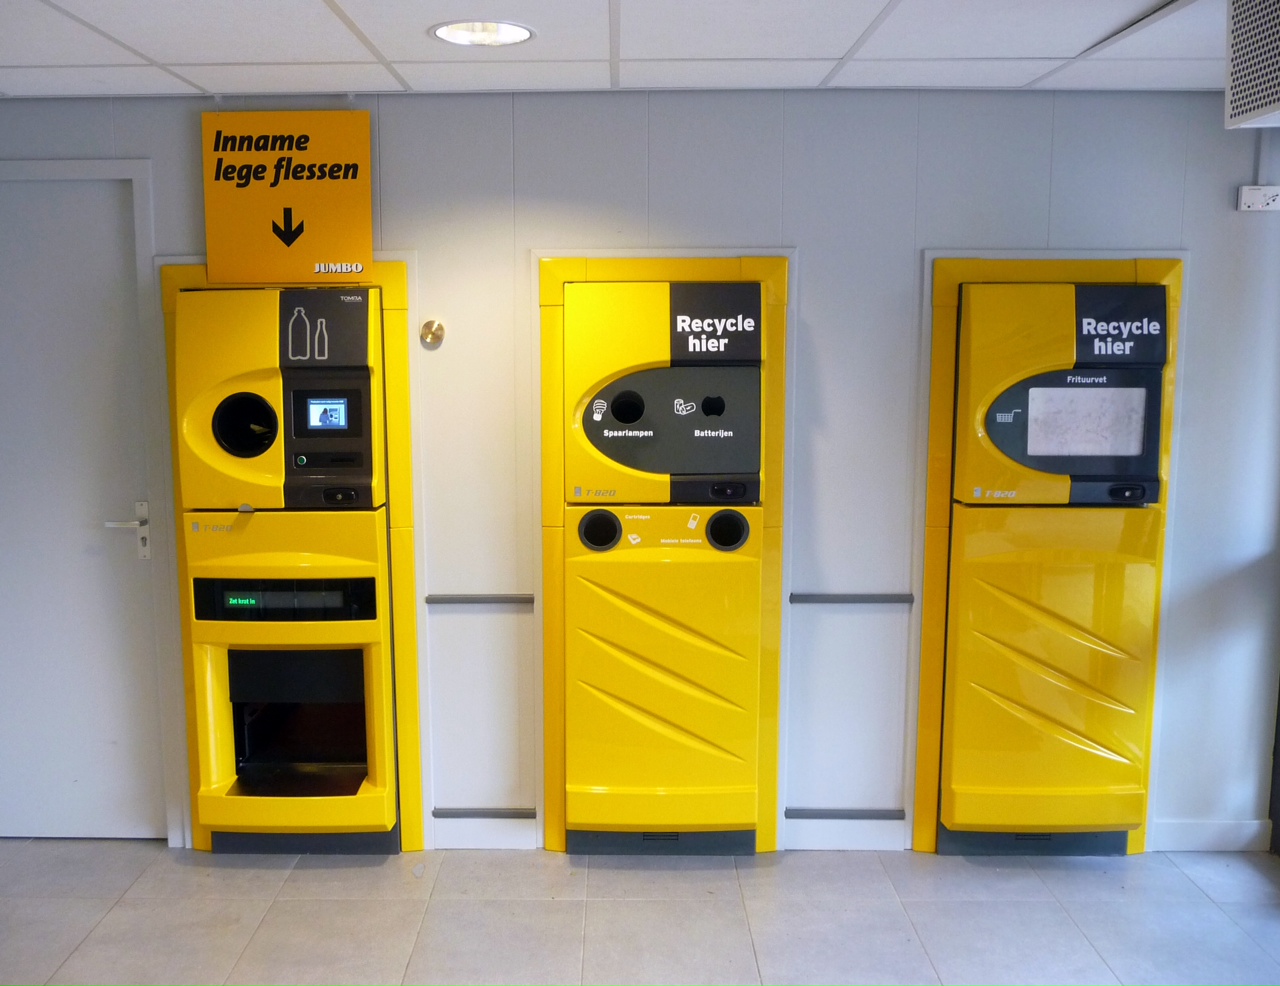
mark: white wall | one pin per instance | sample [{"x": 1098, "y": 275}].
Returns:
[{"x": 860, "y": 183}]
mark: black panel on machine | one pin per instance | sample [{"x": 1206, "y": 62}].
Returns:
[{"x": 285, "y": 600}]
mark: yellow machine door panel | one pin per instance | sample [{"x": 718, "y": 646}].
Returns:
[
  {"x": 662, "y": 667},
  {"x": 1050, "y": 668}
]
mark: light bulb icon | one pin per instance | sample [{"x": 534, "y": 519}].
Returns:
[{"x": 597, "y": 410}]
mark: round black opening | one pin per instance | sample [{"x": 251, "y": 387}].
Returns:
[
  {"x": 600, "y": 530},
  {"x": 627, "y": 407},
  {"x": 728, "y": 530},
  {"x": 245, "y": 425}
]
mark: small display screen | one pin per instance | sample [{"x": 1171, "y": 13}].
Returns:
[
  {"x": 269, "y": 599},
  {"x": 326, "y": 413},
  {"x": 1086, "y": 421}
]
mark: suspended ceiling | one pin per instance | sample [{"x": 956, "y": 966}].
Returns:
[{"x": 185, "y": 47}]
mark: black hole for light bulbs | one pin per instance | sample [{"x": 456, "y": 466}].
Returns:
[{"x": 627, "y": 407}]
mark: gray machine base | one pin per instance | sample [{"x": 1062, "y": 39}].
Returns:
[
  {"x": 318, "y": 843},
  {"x": 741, "y": 843},
  {"x": 1031, "y": 843}
]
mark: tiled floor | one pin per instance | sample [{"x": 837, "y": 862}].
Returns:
[{"x": 136, "y": 912}]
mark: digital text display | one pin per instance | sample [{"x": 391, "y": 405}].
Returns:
[{"x": 324, "y": 413}]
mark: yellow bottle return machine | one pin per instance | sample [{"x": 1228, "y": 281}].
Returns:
[
  {"x": 290, "y": 423},
  {"x": 662, "y": 435},
  {"x": 1050, "y": 440}
]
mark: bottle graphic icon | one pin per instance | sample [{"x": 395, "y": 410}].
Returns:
[
  {"x": 322, "y": 340},
  {"x": 300, "y": 335}
]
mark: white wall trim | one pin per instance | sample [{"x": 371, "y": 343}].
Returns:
[{"x": 1210, "y": 836}]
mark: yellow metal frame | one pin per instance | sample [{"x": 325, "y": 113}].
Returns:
[
  {"x": 366, "y": 811},
  {"x": 949, "y": 274},
  {"x": 558, "y": 400}
]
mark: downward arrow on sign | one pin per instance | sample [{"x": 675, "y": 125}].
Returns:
[{"x": 289, "y": 232}]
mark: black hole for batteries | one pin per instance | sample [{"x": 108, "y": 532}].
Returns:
[
  {"x": 728, "y": 530},
  {"x": 600, "y": 530},
  {"x": 245, "y": 425},
  {"x": 712, "y": 406},
  {"x": 627, "y": 407}
]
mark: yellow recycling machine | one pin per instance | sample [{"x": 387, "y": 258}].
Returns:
[
  {"x": 662, "y": 436},
  {"x": 1050, "y": 439},
  {"x": 290, "y": 417}
]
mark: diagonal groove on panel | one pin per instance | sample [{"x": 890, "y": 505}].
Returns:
[
  {"x": 662, "y": 674},
  {"x": 661, "y": 725},
  {"x": 1051, "y": 726},
  {"x": 1055, "y": 675},
  {"x": 662, "y": 620},
  {"x": 1054, "y": 622}
]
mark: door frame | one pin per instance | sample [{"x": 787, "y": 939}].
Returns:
[{"x": 149, "y": 338}]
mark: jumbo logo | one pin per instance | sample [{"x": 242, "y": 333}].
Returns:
[{"x": 339, "y": 268}]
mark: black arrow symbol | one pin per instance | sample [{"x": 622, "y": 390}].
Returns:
[{"x": 289, "y": 232}]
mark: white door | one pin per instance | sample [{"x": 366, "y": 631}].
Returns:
[{"x": 79, "y": 703}]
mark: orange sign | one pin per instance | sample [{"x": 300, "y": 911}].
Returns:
[{"x": 287, "y": 196}]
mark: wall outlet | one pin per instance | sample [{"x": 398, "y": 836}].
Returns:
[{"x": 1256, "y": 197}]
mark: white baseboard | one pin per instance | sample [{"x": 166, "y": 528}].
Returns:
[
  {"x": 485, "y": 833},
  {"x": 825, "y": 833},
  {"x": 1208, "y": 836}
]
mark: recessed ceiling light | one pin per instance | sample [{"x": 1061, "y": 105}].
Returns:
[{"x": 482, "y": 33}]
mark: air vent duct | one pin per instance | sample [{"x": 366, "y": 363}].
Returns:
[{"x": 1253, "y": 64}]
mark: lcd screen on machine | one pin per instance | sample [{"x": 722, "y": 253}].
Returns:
[
  {"x": 1086, "y": 421},
  {"x": 326, "y": 413}
]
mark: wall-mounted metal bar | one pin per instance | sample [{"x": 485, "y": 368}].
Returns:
[
  {"x": 483, "y": 813},
  {"x": 856, "y": 598},
  {"x": 849, "y": 814},
  {"x": 482, "y": 598}
]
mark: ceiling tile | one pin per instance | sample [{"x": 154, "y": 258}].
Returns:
[
  {"x": 504, "y": 76},
  {"x": 290, "y": 78},
  {"x": 563, "y": 30},
  {"x": 737, "y": 29},
  {"x": 1000, "y": 28},
  {"x": 1117, "y": 73},
  {"x": 953, "y": 73},
  {"x": 1198, "y": 30},
  {"x": 202, "y": 32},
  {"x": 38, "y": 35},
  {"x": 723, "y": 74},
  {"x": 102, "y": 80}
]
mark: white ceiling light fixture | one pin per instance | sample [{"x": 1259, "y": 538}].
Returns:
[{"x": 486, "y": 33}]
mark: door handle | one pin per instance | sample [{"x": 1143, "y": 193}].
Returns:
[{"x": 141, "y": 510}]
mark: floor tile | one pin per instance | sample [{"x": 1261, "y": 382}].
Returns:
[
  {"x": 188, "y": 873},
  {"x": 76, "y": 867},
  {"x": 1261, "y": 922},
  {"x": 1005, "y": 941},
  {"x": 1232, "y": 877},
  {"x": 36, "y": 935},
  {"x": 667, "y": 941},
  {"x": 1146, "y": 875},
  {"x": 927, "y": 876},
  {"x": 814, "y": 875},
  {"x": 331, "y": 941},
  {"x": 1147, "y": 941},
  {"x": 836, "y": 941},
  {"x": 663, "y": 877},
  {"x": 408, "y": 875},
  {"x": 164, "y": 941},
  {"x": 507, "y": 874},
  {"x": 499, "y": 941},
  {"x": 9, "y": 848}
]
